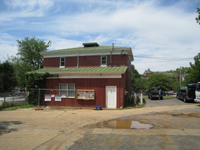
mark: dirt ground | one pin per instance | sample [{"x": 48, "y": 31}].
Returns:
[{"x": 55, "y": 129}]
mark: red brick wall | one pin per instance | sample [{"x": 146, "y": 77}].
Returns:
[
  {"x": 89, "y": 61},
  {"x": 85, "y": 61},
  {"x": 117, "y": 60},
  {"x": 51, "y": 62},
  {"x": 70, "y": 62}
]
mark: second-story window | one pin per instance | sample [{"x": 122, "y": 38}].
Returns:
[
  {"x": 103, "y": 61},
  {"x": 62, "y": 61}
]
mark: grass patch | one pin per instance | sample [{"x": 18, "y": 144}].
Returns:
[
  {"x": 135, "y": 106},
  {"x": 10, "y": 109},
  {"x": 7, "y": 106},
  {"x": 26, "y": 106}
]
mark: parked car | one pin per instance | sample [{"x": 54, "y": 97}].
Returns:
[
  {"x": 15, "y": 92},
  {"x": 153, "y": 93},
  {"x": 187, "y": 93}
]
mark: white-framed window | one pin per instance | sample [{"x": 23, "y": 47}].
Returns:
[
  {"x": 103, "y": 60},
  {"x": 67, "y": 89},
  {"x": 62, "y": 62}
]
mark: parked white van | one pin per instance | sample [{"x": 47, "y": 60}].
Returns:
[{"x": 197, "y": 93}]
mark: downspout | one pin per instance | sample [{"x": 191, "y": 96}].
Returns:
[
  {"x": 111, "y": 54},
  {"x": 77, "y": 60}
]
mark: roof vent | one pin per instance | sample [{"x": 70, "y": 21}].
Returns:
[{"x": 93, "y": 44}]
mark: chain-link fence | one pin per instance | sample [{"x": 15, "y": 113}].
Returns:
[
  {"x": 51, "y": 97},
  {"x": 13, "y": 97}
]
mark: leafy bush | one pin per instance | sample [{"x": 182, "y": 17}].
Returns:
[{"x": 35, "y": 81}]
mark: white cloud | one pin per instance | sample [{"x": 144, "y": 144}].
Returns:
[
  {"x": 150, "y": 29},
  {"x": 60, "y": 43},
  {"x": 28, "y": 5},
  {"x": 25, "y": 8},
  {"x": 7, "y": 50}
]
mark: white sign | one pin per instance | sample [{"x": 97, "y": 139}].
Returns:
[
  {"x": 57, "y": 97},
  {"x": 47, "y": 98}
]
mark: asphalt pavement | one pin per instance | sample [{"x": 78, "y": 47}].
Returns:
[
  {"x": 166, "y": 102},
  {"x": 175, "y": 129}
]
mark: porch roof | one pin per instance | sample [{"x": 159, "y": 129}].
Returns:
[{"x": 83, "y": 70}]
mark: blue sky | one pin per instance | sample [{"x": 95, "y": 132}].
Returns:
[{"x": 163, "y": 34}]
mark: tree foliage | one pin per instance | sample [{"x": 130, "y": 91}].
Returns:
[
  {"x": 194, "y": 76},
  {"x": 28, "y": 58},
  {"x": 198, "y": 18},
  {"x": 35, "y": 81},
  {"x": 159, "y": 80},
  {"x": 135, "y": 76},
  {"x": 182, "y": 70},
  {"x": 7, "y": 77},
  {"x": 29, "y": 49},
  {"x": 21, "y": 68},
  {"x": 140, "y": 84}
]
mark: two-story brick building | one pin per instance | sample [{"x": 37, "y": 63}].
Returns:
[{"x": 89, "y": 76}]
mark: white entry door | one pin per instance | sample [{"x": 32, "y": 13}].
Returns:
[{"x": 111, "y": 96}]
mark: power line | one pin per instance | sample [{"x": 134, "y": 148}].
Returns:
[
  {"x": 162, "y": 59},
  {"x": 149, "y": 57}
]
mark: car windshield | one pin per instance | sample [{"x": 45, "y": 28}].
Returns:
[{"x": 198, "y": 87}]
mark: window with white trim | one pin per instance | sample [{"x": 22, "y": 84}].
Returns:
[
  {"x": 62, "y": 61},
  {"x": 67, "y": 89},
  {"x": 103, "y": 60}
]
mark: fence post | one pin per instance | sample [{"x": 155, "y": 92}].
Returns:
[
  {"x": 135, "y": 98},
  {"x": 141, "y": 99},
  {"x": 39, "y": 97}
]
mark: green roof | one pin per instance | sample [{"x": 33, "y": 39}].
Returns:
[
  {"x": 92, "y": 48},
  {"x": 120, "y": 69},
  {"x": 96, "y": 48}
]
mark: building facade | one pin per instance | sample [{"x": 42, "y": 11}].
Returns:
[{"x": 88, "y": 76}]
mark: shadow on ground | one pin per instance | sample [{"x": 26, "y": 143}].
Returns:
[{"x": 4, "y": 126}]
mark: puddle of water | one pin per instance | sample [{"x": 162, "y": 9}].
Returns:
[{"x": 125, "y": 124}]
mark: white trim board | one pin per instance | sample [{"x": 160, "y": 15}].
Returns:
[{"x": 87, "y": 76}]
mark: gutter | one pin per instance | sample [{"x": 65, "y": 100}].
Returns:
[{"x": 111, "y": 54}]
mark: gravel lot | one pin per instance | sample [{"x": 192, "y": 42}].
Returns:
[{"x": 174, "y": 127}]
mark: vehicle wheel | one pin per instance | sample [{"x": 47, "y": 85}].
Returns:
[
  {"x": 184, "y": 100},
  {"x": 151, "y": 98}
]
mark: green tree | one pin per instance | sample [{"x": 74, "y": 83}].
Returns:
[
  {"x": 194, "y": 76},
  {"x": 21, "y": 68},
  {"x": 134, "y": 76},
  {"x": 182, "y": 69},
  {"x": 159, "y": 80},
  {"x": 7, "y": 77},
  {"x": 35, "y": 81},
  {"x": 29, "y": 50},
  {"x": 198, "y": 18},
  {"x": 140, "y": 83}
]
